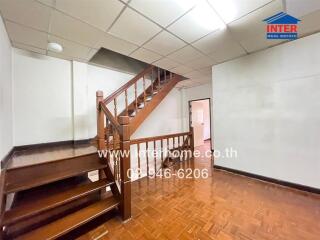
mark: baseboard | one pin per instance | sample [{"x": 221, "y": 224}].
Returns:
[
  {"x": 6, "y": 159},
  {"x": 271, "y": 180}
]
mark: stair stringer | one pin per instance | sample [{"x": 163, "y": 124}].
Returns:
[{"x": 146, "y": 110}]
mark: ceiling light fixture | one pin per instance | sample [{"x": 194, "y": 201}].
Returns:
[{"x": 55, "y": 47}]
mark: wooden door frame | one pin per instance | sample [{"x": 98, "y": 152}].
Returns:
[{"x": 189, "y": 116}]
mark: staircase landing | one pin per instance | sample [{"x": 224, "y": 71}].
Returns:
[{"x": 49, "y": 153}]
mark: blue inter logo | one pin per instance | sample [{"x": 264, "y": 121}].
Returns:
[{"x": 282, "y": 26}]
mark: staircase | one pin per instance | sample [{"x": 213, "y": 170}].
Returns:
[{"x": 53, "y": 198}]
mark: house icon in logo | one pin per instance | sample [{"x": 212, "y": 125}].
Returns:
[{"x": 282, "y": 26}]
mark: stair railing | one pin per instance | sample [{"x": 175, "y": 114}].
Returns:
[
  {"x": 150, "y": 79},
  {"x": 117, "y": 157},
  {"x": 113, "y": 130},
  {"x": 163, "y": 145}
]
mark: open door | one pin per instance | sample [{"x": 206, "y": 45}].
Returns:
[{"x": 200, "y": 120}]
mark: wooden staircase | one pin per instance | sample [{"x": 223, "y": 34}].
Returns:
[{"x": 53, "y": 198}]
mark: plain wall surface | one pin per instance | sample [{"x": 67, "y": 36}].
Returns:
[
  {"x": 42, "y": 99},
  {"x": 6, "y": 105},
  {"x": 267, "y": 108},
  {"x": 55, "y": 100}
]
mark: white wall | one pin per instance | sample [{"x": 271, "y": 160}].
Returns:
[
  {"x": 267, "y": 108},
  {"x": 6, "y": 115},
  {"x": 55, "y": 100},
  {"x": 108, "y": 81},
  {"x": 165, "y": 119},
  {"x": 42, "y": 99}
]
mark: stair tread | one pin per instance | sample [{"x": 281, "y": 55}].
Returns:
[
  {"x": 34, "y": 182},
  {"x": 48, "y": 202},
  {"x": 72, "y": 221}
]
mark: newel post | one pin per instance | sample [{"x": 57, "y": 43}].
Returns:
[
  {"x": 100, "y": 121},
  {"x": 125, "y": 201},
  {"x": 192, "y": 140}
]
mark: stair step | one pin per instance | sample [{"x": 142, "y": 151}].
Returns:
[
  {"x": 46, "y": 203},
  {"x": 23, "y": 178},
  {"x": 70, "y": 222}
]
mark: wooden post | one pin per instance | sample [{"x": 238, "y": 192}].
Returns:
[
  {"x": 100, "y": 121},
  {"x": 192, "y": 141},
  {"x": 125, "y": 198}
]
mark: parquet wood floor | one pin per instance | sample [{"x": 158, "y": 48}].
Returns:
[{"x": 223, "y": 207}]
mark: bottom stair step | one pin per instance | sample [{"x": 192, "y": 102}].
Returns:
[
  {"x": 70, "y": 222},
  {"x": 46, "y": 203}
]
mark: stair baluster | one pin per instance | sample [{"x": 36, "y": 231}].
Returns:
[
  {"x": 126, "y": 101},
  {"x": 144, "y": 91},
  {"x": 135, "y": 97}
]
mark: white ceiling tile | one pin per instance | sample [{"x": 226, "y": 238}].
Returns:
[
  {"x": 228, "y": 51},
  {"x": 163, "y": 12},
  {"x": 206, "y": 71},
  {"x": 181, "y": 70},
  {"x": 99, "y": 13},
  {"x": 29, "y": 13},
  {"x": 185, "y": 54},
  {"x": 309, "y": 24},
  {"x": 133, "y": 27},
  {"x": 193, "y": 74},
  {"x": 71, "y": 49},
  {"x": 115, "y": 44},
  {"x": 214, "y": 41},
  {"x": 231, "y": 10},
  {"x": 187, "y": 84},
  {"x": 259, "y": 42},
  {"x": 145, "y": 55},
  {"x": 252, "y": 24},
  {"x": 197, "y": 23},
  {"x": 164, "y": 43},
  {"x": 50, "y": 3},
  {"x": 200, "y": 62},
  {"x": 91, "y": 53},
  {"x": 25, "y": 35},
  {"x": 298, "y": 8},
  {"x": 223, "y": 47},
  {"x": 29, "y": 48},
  {"x": 62, "y": 56},
  {"x": 74, "y": 30},
  {"x": 166, "y": 63}
]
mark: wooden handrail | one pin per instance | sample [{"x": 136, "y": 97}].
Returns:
[
  {"x": 110, "y": 117},
  {"x": 127, "y": 85},
  {"x": 156, "y": 138}
]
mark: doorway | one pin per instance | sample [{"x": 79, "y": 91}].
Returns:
[{"x": 200, "y": 120}]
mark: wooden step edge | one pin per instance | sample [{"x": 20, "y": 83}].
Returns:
[
  {"x": 28, "y": 210},
  {"x": 39, "y": 182},
  {"x": 51, "y": 161},
  {"x": 70, "y": 222}
]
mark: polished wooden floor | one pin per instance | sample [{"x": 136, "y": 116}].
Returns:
[{"x": 223, "y": 207}]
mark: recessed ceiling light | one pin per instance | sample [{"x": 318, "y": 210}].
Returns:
[{"x": 55, "y": 47}]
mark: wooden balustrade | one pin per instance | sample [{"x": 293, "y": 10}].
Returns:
[
  {"x": 114, "y": 131},
  {"x": 173, "y": 143}
]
